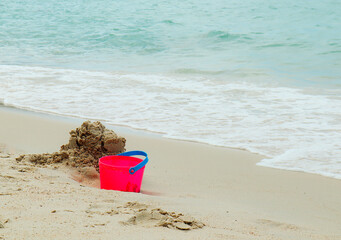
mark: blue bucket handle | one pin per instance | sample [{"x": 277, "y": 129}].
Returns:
[{"x": 133, "y": 170}]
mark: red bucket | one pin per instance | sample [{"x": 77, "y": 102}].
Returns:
[{"x": 122, "y": 172}]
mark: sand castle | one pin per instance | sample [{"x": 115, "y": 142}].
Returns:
[{"x": 87, "y": 144}]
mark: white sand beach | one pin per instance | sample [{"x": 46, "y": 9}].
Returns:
[{"x": 219, "y": 189}]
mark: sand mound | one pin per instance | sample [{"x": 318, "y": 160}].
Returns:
[
  {"x": 144, "y": 216},
  {"x": 87, "y": 144},
  {"x": 160, "y": 218}
]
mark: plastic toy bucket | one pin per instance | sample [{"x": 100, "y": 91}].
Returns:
[{"x": 122, "y": 172}]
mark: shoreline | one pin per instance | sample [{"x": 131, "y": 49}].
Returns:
[
  {"x": 223, "y": 187},
  {"x": 116, "y": 127},
  {"x": 147, "y": 133}
]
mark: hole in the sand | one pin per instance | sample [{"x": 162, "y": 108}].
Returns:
[{"x": 87, "y": 176}]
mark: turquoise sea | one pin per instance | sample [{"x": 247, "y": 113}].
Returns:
[{"x": 258, "y": 75}]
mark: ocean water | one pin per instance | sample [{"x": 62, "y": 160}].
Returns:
[{"x": 258, "y": 75}]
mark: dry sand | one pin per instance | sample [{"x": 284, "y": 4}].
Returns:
[{"x": 189, "y": 191}]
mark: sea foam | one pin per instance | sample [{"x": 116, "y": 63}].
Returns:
[{"x": 292, "y": 128}]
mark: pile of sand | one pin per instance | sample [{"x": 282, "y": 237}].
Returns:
[
  {"x": 143, "y": 215},
  {"x": 87, "y": 144}
]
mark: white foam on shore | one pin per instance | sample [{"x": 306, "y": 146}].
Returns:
[{"x": 295, "y": 130}]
